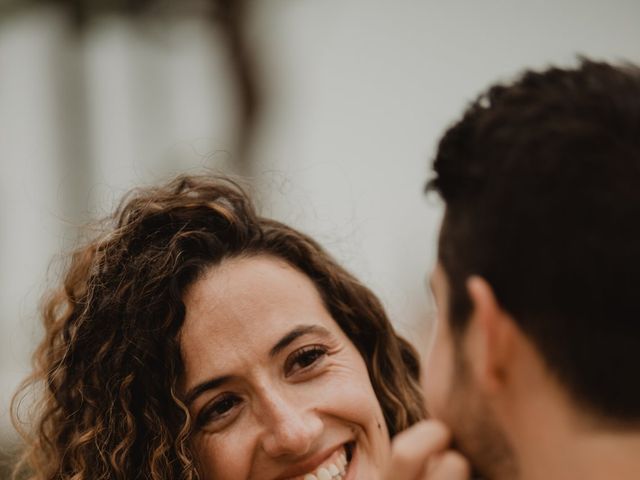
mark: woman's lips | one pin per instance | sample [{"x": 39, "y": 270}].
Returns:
[{"x": 333, "y": 468}]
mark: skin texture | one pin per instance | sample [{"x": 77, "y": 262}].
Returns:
[
  {"x": 279, "y": 414},
  {"x": 424, "y": 451},
  {"x": 439, "y": 362},
  {"x": 460, "y": 394}
]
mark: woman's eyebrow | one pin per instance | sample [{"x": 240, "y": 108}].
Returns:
[
  {"x": 296, "y": 332},
  {"x": 199, "y": 389}
]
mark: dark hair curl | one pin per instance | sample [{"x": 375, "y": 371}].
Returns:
[{"x": 110, "y": 361}]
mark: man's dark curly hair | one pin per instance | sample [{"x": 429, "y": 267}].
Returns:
[
  {"x": 541, "y": 181},
  {"x": 110, "y": 364}
]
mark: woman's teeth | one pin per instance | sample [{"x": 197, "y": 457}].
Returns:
[{"x": 333, "y": 469}]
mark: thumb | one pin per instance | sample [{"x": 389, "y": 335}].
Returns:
[{"x": 412, "y": 449}]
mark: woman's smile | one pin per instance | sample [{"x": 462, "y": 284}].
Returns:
[{"x": 333, "y": 467}]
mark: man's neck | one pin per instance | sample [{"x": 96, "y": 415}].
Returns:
[
  {"x": 585, "y": 457},
  {"x": 554, "y": 443}
]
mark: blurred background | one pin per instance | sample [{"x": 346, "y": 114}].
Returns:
[{"x": 329, "y": 110}]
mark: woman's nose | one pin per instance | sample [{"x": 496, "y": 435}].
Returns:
[{"x": 291, "y": 428}]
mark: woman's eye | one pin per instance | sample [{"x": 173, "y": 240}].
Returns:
[
  {"x": 304, "y": 358},
  {"x": 218, "y": 409}
]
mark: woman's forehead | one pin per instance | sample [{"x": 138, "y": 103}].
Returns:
[
  {"x": 244, "y": 307},
  {"x": 245, "y": 290}
]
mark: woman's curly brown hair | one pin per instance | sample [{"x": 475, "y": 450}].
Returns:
[{"x": 110, "y": 362}]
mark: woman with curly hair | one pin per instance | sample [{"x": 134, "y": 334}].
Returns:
[{"x": 195, "y": 339}]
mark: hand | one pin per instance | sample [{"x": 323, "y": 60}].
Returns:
[{"x": 421, "y": 453}]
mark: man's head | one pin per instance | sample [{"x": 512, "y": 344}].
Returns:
[{"x": 539, "y": 252}]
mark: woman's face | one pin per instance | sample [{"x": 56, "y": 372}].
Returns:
[{"x": 276, "y": 389}]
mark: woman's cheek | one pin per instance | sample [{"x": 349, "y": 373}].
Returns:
[{"x": 224, "y": 455}]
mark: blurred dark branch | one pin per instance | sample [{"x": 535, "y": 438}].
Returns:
[
  {"x": 81, "y": 11},
  {"x": 231, "y": 16}
]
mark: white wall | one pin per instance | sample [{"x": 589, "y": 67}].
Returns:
[
  {"x": 359, "y": 91},
  {"x": 362, "y": 92}
]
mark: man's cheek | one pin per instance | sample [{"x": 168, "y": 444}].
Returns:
[{"x": 436, "y": 377}]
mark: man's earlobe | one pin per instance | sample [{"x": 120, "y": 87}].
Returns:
[{"x": 491, "y": 340}]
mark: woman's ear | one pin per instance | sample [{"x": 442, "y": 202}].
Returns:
[{"x": 490, "y": 336}]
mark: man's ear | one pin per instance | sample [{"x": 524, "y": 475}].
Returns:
[{"x": 490, "y": 336}]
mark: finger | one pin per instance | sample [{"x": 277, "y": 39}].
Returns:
[
  {"x": 411, "y": 449},
  {"x": 449, "y": 465}
]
